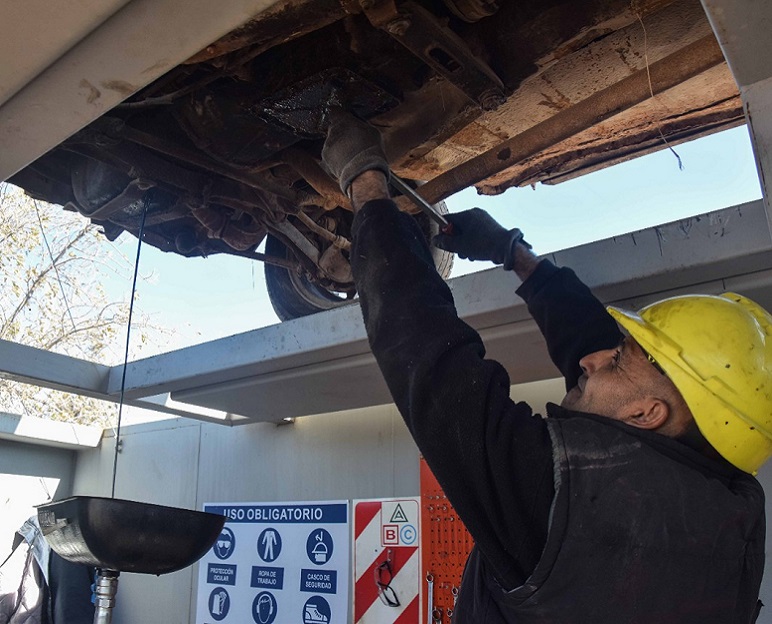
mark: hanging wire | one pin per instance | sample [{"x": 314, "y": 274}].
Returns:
[
  {"x": 128, "y": 342},
  {"x": 44, "y": 485},
  {"x": 53, "y": 264},
  {"x": 637, "y": 14}
]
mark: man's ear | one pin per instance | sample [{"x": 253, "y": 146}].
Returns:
[{"x": 647, "y": 413}]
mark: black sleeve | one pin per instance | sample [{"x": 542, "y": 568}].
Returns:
[
  {"x": 574, "y": 323},
  {"x": 492, "y": 457}
]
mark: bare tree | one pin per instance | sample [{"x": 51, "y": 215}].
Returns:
[{"x": 53, "y": 269}]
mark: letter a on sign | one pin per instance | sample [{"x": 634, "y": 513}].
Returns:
[{"x": 398, "y": 515}]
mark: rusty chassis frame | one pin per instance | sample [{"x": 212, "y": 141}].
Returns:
[
  {"x": 439, "y": 47},
  {"x": 667, "y": 73}
]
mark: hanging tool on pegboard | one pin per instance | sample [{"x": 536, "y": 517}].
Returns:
[{"x": 445, "y": 546}]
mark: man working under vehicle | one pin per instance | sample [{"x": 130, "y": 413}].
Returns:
[{"x": 632, "y": 502}]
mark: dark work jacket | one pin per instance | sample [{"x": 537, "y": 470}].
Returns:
[
  {"x": 643, "y": 529},
  {"x": 576, "y": 518}
]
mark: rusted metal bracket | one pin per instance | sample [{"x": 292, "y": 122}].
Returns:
[
  {"x": 134, "y": 192},
  {"x": 330, "y": 263},
  {"x": 307, "y": 166},
  {"x": 300, "y": 242},
  {"x": 439, "y": 47}
]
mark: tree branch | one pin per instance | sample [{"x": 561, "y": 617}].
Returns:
[{"x": 32, "y": 287}]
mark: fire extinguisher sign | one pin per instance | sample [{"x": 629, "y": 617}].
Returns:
[{"x": 277, "y": 563}]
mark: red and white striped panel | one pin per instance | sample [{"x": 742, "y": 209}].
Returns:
[{"x": 370, "y": 552}]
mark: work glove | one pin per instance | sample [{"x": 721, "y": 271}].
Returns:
[
  {"x": 352, "y": 147},
  {"x": 477, "y": 236}
]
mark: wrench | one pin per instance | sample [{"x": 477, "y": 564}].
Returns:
[
  {"x": 430, "y": 597},
  {"x": 446, "y": 227},
  {"x": 451, "y": 610}
]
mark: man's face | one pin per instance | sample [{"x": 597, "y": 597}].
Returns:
[{"x": 613, "y": 381}]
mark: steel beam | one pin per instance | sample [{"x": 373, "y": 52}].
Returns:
[
  {"x": 46, "y": 369},
  {"x": 52, "y": 370},
  {"x": 322, "y": 363},
  {"x": 36, "y": 43},
  {"x": 42, "y": 432},
  {"x": 742, "y": 29},
  {"x": 136, "y": 45}
]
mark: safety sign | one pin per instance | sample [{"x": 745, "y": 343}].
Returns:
[
  {"x": 277, "y": 562},
  {"x": 387, "y": 561}
]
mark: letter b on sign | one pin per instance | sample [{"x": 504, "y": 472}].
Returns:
[{"x": 390, "y": 535}]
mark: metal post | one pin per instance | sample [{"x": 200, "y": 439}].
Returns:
[{"x": 105, "y": 589}]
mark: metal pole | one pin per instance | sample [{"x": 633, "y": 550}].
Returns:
[{"x": 105, "y": 589}]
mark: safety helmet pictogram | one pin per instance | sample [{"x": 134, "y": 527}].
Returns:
[{"x": 717, "y": 350}]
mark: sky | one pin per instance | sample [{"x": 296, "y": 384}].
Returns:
[{"x": 202, "y": 299}]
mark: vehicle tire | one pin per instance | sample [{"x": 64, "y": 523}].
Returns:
[{"x": 293, "y": 295}]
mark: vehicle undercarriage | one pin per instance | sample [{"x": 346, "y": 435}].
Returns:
[{"x": 223, "y": 151}]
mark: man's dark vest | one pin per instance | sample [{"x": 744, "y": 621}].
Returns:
[{"x": 642, "y": 530}]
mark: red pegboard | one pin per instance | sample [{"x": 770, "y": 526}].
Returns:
[{"x": 445, "y": 546}]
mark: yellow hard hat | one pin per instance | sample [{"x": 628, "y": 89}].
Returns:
[{"x": 716, "y": 349}]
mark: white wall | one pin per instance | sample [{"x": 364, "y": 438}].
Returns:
[{"x": 29, "y": 475}]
